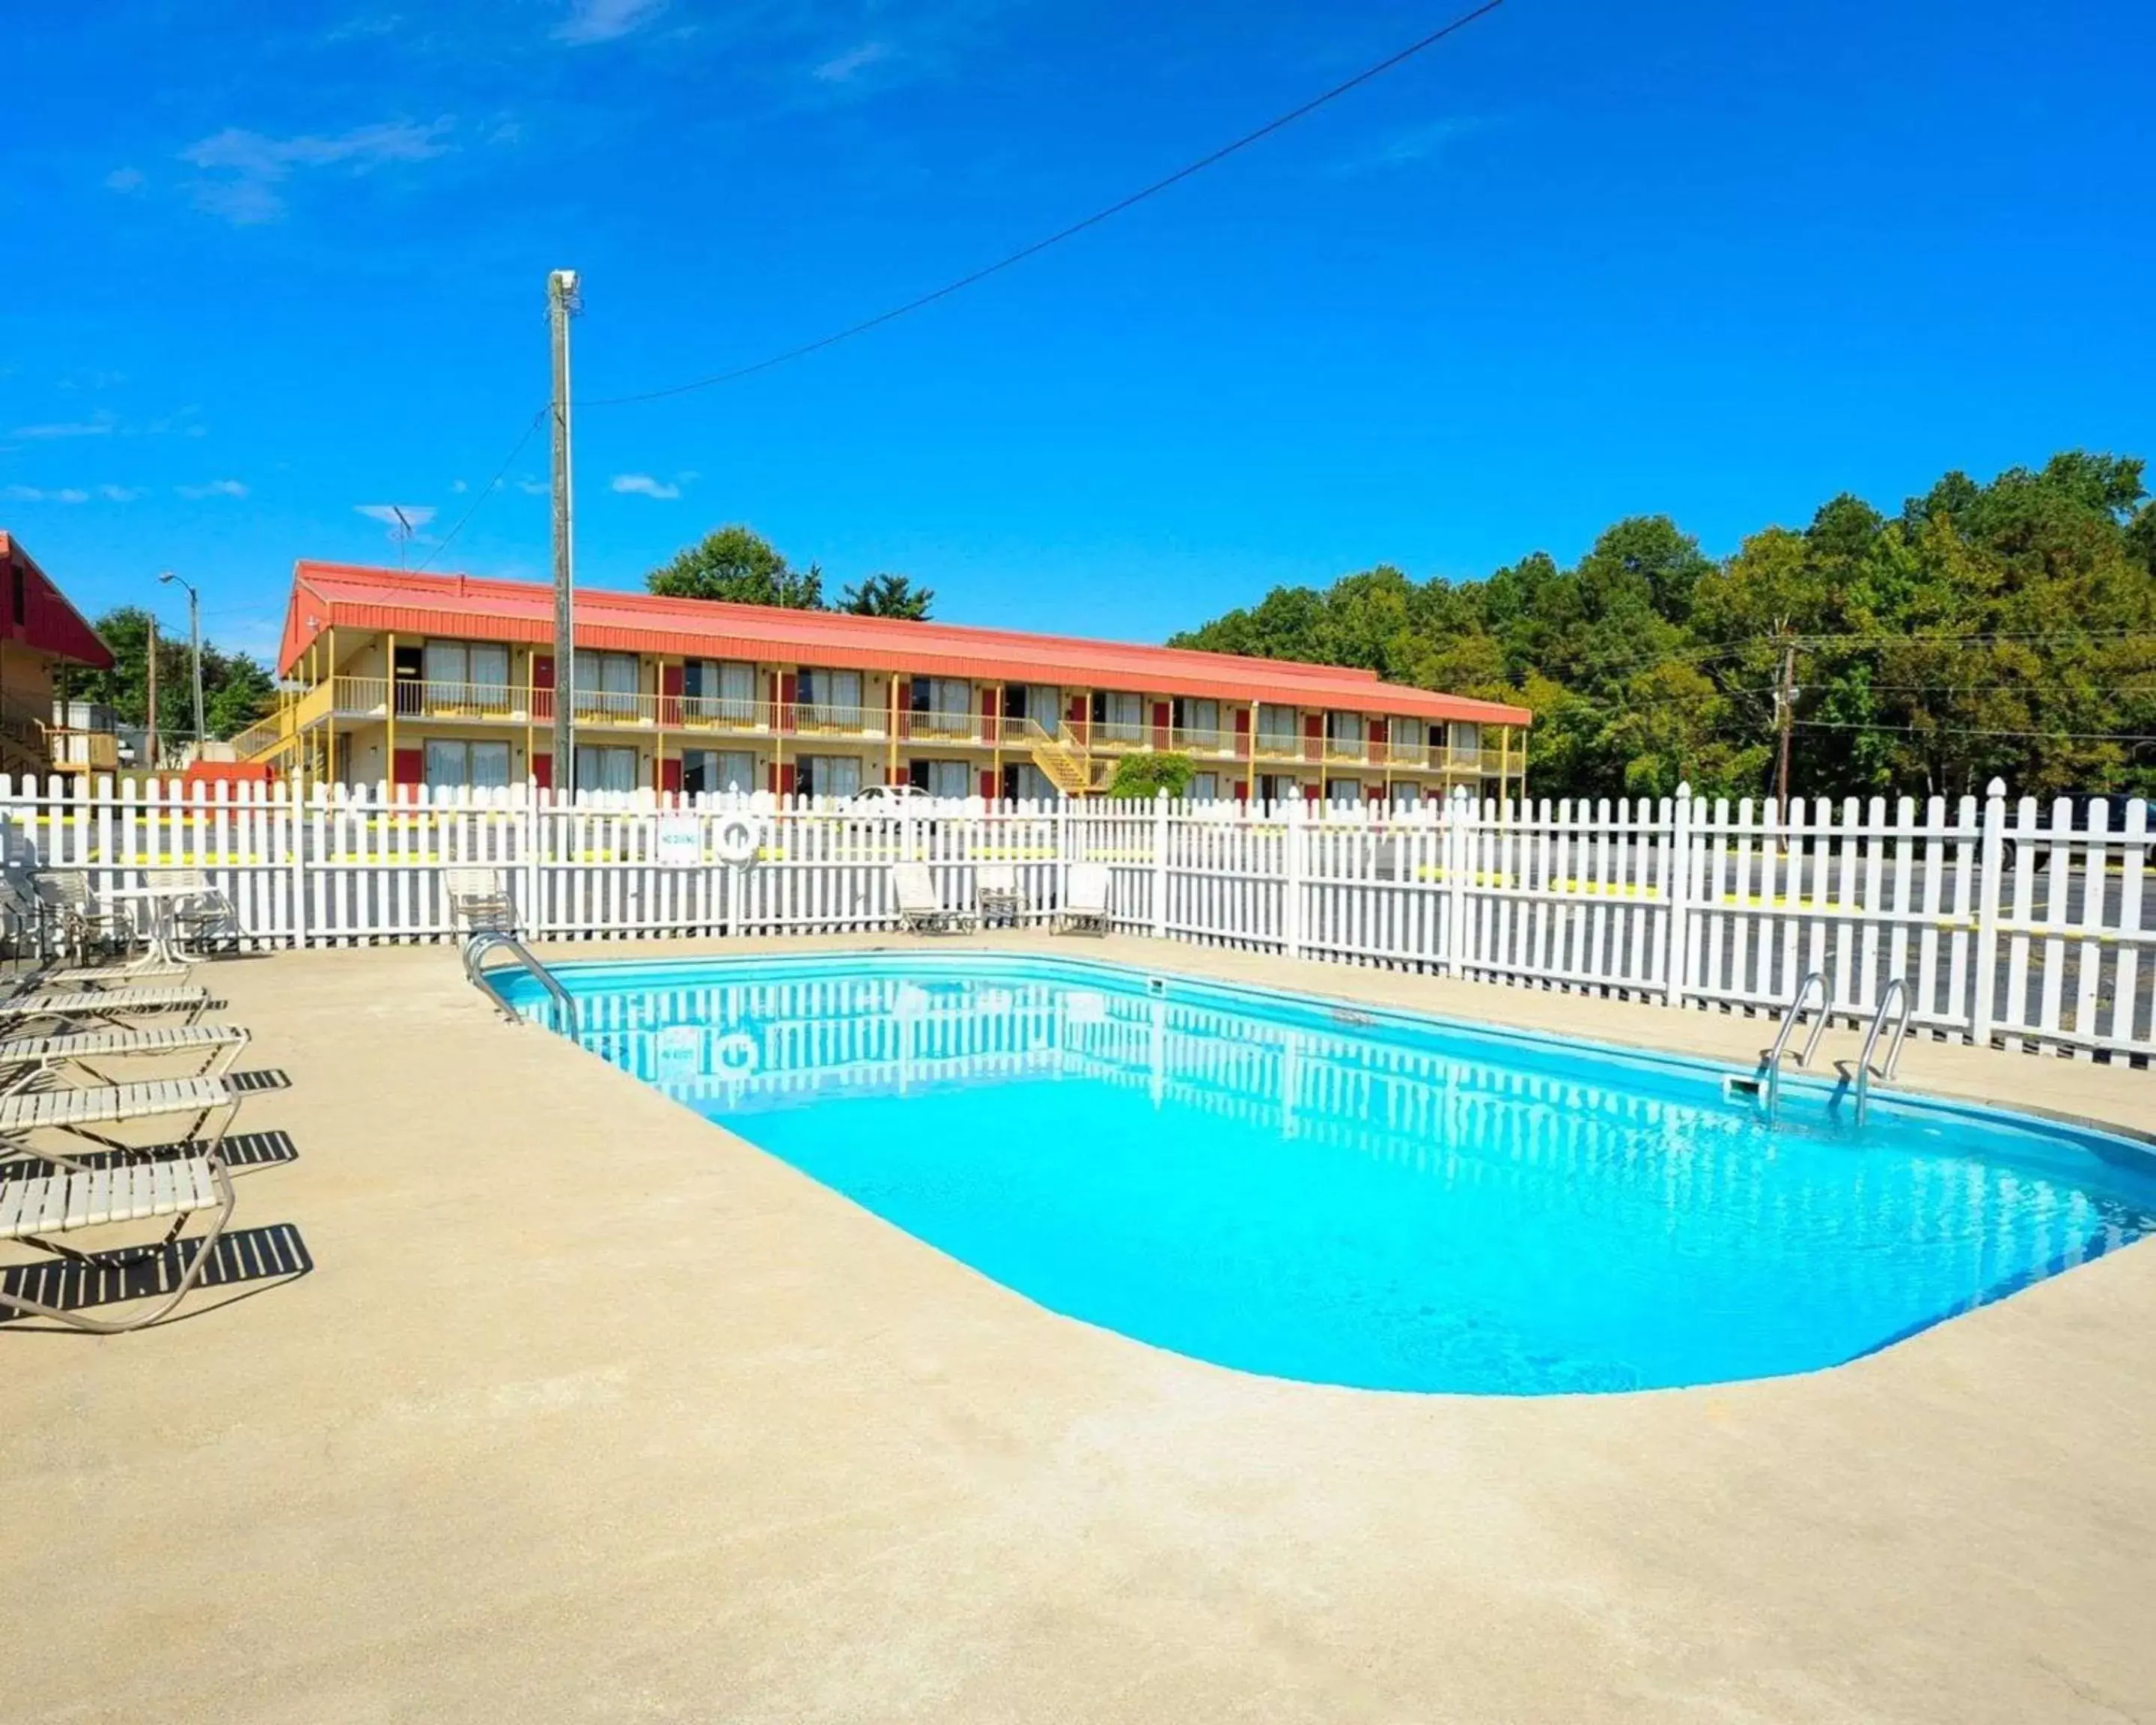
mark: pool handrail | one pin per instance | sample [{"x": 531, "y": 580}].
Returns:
[
  {"x": 490, "y": 941},
  {"x": 1896, "y": 988},
  {"x": 1770, "y": 1060}
]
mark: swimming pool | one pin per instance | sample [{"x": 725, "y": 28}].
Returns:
[{"x": 1300, "y": 1188}]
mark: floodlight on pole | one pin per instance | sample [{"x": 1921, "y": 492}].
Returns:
[{"x": 194, "y": 647}]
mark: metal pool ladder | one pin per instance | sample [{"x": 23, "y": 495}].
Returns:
[
  {"x": 478, "y": 949},
  {"x": 1896, "y": 990},
  {"x": 1768, "y": 1083}
]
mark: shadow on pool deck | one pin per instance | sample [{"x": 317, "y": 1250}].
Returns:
[{"x": 587, "y": 1410}]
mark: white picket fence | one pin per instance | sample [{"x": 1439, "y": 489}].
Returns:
[{"x": 2005, "y": 921}]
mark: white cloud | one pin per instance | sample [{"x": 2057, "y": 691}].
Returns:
[
  {"x": 215, "y": 488},
  {"x": 418, "y": 514},
  {"x": 33, "y": 494},
  {"x": 642, "y": 484},
  {"x": 459, "y": 487},
  {"x": 119, "y": 494},
  {"x": 1418, "y": 143},
  {"x": 533, "y": 488},
  {"x": 844, "y": 68},
  {"x": 604, "y": 20},
  {"x": 99, "y": 424},
  {"x": 126, "y": 179},
  {"x": 253, "y": 166}
]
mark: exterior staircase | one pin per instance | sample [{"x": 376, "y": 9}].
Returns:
[{"x": 1061, "y": 761}]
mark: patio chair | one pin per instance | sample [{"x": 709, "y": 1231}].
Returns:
[
  {"x": 1084, "y": 908},
  {"x": 47, "y": 1105},
  {"x": 83, "y": 1006},
  {"x": 23, "y": 918},
  {"x": 920, "y": 911},
  {"x": 205, "y": 919},
  {"x": 24, "y": 1055},
  {"x": 35, "y": 1209},
  {"x": 479, "y": 899},
  {"x": 65, "y": 895},
  {"x": 995, "y": 893}
]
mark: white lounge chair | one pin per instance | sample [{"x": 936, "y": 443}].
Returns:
[
  {"x": 920, "y": 911},
  {"x": 48, "y": 1105},
  {"x": 996, "y": 894},
  {"x": 22, "y": 1055},
  {"x": 90, "y": 1005},
  {"x": 205, "y": 918},
  {"x": 65, "y": 895},
  {"x": 34, "y": 1208},
  {"x": 1084, "y": 908},
  {"x": 479, "y": 900}
]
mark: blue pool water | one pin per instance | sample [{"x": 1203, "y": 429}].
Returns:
[{"x": 1376, "y": 1199}]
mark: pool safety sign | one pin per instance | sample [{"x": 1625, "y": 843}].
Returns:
[{"x": 681, "y": 841}]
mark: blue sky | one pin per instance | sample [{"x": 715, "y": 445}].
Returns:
[{"x": 1581, "y": 261}]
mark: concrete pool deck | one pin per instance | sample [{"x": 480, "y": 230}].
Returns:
[{"x": 589, "y": 1411}]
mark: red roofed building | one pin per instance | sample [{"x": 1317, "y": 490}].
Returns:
[
  {"x": 39, "y": 632},
  {"x": 450, "y": 679}
]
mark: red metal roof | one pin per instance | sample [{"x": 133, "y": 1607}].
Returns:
[
  {"x": 49, "y": 624},
  {"x": 352, "y": 596}
]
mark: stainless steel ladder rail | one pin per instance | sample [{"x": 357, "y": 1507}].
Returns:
[
  {"x": 1770, "y": 1060},
  {"x": 1896, "y": 989},
  {"x": 476, "y": 950}
]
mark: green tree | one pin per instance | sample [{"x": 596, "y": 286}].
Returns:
[
  {"x": 1149, "y": 773},
  {"x": 237, "y": 689},
  {"x": 887, "y": 596},
  {"x": 741, "y": 566}
]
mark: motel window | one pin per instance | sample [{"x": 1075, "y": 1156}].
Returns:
[
  {"x": 466, "y": 674},
  {"x": 1041, "y": 702},
  {"x": 1406, "y": 738},
  {"x": 1205, "y": 788},
  {"x": 1023, "y": 781},
  {"x": 608, "y": 683},
  {"x": 942, "y": 705},
  {"x": 829, "y": 776},
  {"x": 1118, "y": 717},
  {"x": 830, "y": 698},
  {"x": 1200, "y": 719},
  {"x": 711, "y": 771},
  {"x": 1466, "y": 735},
  {"x": 1343, "y": 790},
  {"x": 939, "y": 778},
  {"x": 1277, "y": 729},
  {"x": 481, "y": 765},
  {"x": 605, "y": 769},
  {"x": 1274, "y": 787},
  {"x": 1344, "y": 734},
  {"x": 719, "y": 689}
]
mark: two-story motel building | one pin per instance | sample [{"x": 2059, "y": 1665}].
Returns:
[{"x": 449, "y": 680}]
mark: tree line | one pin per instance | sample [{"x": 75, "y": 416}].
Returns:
[
  {"x": 237, "y": 688},
  {"x": 2005, "y": 630},
  {"x": 743, "y": 567}
]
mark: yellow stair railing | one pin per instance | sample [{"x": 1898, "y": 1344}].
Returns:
[{"x": 1062, "y": 759}]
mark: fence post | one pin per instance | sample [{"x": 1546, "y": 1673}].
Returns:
[
  {"x": 295, "y": 835},
  {"x": 1292, "y": 870},
  {"x": 1160, "y": 865},
  {"x": 1990, "y": 872},
  {"x": 1458, "y": 856},
  {"x": 1677, "y": 941},
  {"x": 527, "y": 845}
]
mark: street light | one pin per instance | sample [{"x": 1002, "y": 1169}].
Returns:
[{"x": 194, "y": 646}]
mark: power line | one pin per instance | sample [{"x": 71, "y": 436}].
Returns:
[
  {"x": 443, "y": 544},
  {"x": 1978, "y": 730},
  {"x": 1076, "y": 227}
]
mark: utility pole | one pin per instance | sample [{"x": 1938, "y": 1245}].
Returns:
[
  {"x": 1785, "y": 715},
  {"x": 150, "y": 730},
  {"x": 562, "y": 303},
  {"x": 194, "y": 647}
]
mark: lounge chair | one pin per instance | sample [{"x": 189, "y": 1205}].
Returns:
[
  {"x": 205, "y": 919},
  {"x": 99, "y": 1005},
  {"x": 1084, "y": 908},
  {"x": 46, "y": 1105},
  {"x": 996, "y": 894},
  {"x": 479, "y": 899},
  {"x": 920, "y": 911},
  {"x": 33, "y": 1209},
  {"x": 22, "y": 1055},
  {"x": 65, "y": 895}
]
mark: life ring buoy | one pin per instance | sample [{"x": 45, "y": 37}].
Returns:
[
  {"x": 736, "y": 839},
  {"x": 736, "y": 1055}
]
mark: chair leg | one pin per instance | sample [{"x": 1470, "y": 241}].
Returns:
[{"x": 115, "y": 1327}]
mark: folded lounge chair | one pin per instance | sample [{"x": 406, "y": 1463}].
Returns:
[
  {"x": 996, "y": 894},
  {"x": 22, "y": 1055},
  {"x": 34, "y": 1208},
  {"x": 920, "y": 911},
  {"x": 1085, "y": 907},
  {"x": 479, "y": 901},
  {"x": 51, "y": 1106}
]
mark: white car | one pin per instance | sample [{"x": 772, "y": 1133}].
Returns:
[{"x": 887, "y": 796}]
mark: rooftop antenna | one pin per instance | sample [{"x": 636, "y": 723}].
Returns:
[{"x": 402, "y": 533}]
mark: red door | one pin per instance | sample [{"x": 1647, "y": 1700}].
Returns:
[
  {"x": 1077, "y": 718},
  {"x": 988, "y": 784},
  {"x": 788, "y": 685},
  {"x": 408, "y": 769},
  {"x": 1313, "y": 736},
  {"x": 542, "y": 772},
  {"x": 988, "y": 723},
  {"x": 1378, "y": 740},
  {"x": 1243, "y": 736},
  {"x": 669, "y": 774},
  {"x": 1161, "y": 711},
  {"x": 670, "y": 694},
  {"x": 542, "y": 687}
]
